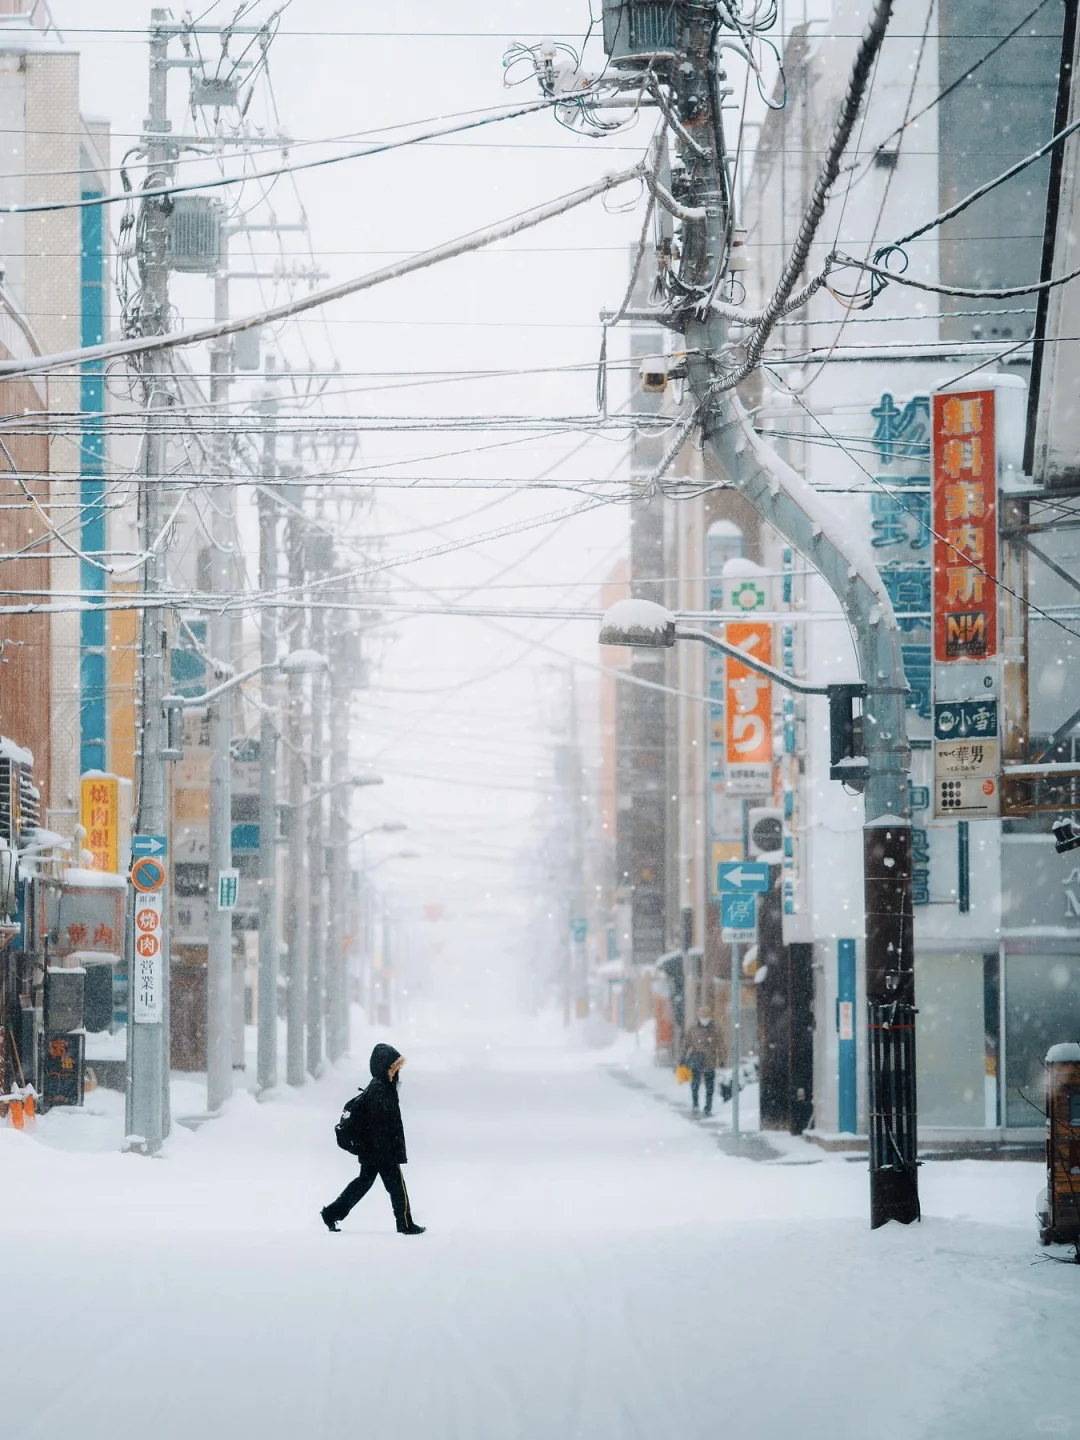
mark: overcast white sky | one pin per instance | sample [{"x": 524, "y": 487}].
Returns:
[{"x": 455, "y": 699}]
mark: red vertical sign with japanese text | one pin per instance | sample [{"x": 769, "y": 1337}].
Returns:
[{"x": 965, "y": 527}]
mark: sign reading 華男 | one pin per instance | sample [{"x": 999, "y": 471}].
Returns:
[
  {"x": 967, "y": 738},
  {"x": 148, "y": 981},
  {"x": 748, "y": 711}
]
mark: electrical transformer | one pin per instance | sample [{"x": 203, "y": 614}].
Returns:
[
  {"x": 636, "y": 32},
  {"x": 195, "y": 235}
]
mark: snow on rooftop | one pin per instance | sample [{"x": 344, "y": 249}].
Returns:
[
  {"x": 10, "y": 751},
  {"x": 1067, "y": 1052}
]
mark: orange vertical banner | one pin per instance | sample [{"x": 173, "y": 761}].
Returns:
[
  {"x": 748, "y": 739},
  {"x": 965, "y": 527}
]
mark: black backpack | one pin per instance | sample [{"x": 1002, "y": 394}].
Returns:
[{"x": 348, "y": 1130}]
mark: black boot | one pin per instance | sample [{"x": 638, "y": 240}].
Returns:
[
  {"x": 328, "y": 1220},
  {"x": 411, "y": 1228}
]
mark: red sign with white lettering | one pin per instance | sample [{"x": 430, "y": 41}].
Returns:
[{"x": 965, "y": 527}]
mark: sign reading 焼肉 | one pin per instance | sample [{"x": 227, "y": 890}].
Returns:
[
  {"x": 967, "y": 748},
  {"x": 965, "y": 527},
  {"x": 99, "y": 812},
  {"x": 146, "y": 1001}
]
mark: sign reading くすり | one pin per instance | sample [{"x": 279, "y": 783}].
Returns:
[{"x": 965, "y": 527}]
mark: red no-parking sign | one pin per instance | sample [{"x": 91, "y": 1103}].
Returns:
[{"x": 147, "y": 873}]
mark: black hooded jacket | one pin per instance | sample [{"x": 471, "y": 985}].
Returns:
[{"x": 383, "y": 1135}]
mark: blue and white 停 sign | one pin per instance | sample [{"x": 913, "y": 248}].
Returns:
[{"x": 738, "y": 917}]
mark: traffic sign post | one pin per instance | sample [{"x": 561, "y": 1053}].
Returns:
[
  {"x": 147, "y": 874},
  {"x": 738, "y": 917},
  {"x": 156, "y": 846},
  {"x": 739, "y": 883},
  {"x": 743, "y": 877}
]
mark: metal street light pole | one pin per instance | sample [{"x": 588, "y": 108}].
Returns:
[{"x": 692, "y": 70}]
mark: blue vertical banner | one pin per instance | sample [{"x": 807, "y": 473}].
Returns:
[
  {"x": 847, "y": 1072},
  {"x": 93, "y": 640}
]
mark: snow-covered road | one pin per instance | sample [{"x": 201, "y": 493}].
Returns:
[{"x": 594, "y": 1268}]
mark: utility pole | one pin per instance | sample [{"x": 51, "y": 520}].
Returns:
[
  {"x": 296, "y": 869},
  {"x": 268, "y": 748},
  {"x": 147, "y": 1100},
  {"x": 219, "y": 714},
  {"x": 579, "y": 906},
  {"x": 316, "y": 850},
  {"x": 687, "y": 61},
  {"x": 337, "y": 980}
]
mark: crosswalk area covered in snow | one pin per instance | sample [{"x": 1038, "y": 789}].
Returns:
[{"x": 595, "y": 1266}]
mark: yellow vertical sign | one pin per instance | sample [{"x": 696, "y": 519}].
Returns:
[{"x": 100, "y": 813}]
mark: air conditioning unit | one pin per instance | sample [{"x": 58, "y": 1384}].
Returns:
[
  {"x": 765, "y": 833},
  {"x": 195, "y": 235},
  {"x": 638, "y": 32},
  {"x": 20, "y": 802}
]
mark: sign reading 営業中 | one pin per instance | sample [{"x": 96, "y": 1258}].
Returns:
[{"x": 146, "y": 992}]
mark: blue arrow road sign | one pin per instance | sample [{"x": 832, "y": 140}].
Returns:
[
  {"x": 743, "y": 877},
  {"x": 738, "y": 912},
  {"x": 156, "y": 845}
]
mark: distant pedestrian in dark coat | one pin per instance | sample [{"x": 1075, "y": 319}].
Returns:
[
  {"x": 380, "y": 1140},
  {"x": 702, "y": 1054}
]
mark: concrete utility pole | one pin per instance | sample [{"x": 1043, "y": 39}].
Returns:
[
  {"x": 337, "y": 979},
  {"x": 147, "y": 1100},
  {"x": 268, "y": 748},
  {"x": 219, "y": 714},
  {"x": 316, "y": 851},
  {"x": 296, "y": 868},
  {"x": 687, "y": 61}
]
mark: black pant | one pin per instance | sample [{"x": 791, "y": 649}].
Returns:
[
  {"x": 354, "y": 1192},
  {"x": 696, "y": 1077}
]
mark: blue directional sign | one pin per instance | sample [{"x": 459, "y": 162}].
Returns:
[
  {"x": 738, "y": 916},
  {"x": 156, "y": 846},
  {"x": 743, "y": 877}
]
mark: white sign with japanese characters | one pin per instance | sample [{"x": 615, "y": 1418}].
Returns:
[{"x": 148, "y": 979}]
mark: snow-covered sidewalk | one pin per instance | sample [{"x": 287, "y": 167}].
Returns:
[{"x": 595, "y": 1267}]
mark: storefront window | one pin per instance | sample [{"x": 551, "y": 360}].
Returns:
[
  {"x": 1042, "y": 1007},
  {"x": 950, "y": 1040}
]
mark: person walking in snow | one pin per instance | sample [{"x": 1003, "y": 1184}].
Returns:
[
  {"x": 371, "y": 1129},
  {"x": 701, "y": 1054}
]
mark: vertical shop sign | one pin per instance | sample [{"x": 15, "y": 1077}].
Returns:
[
  {"x": 99, "y": 812},
  {"x": 965, "y": 527},
  {"x": 748, "y": 711},
  {"x": 967, "y": 747},
  {"x": 147, "y": 990}
]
